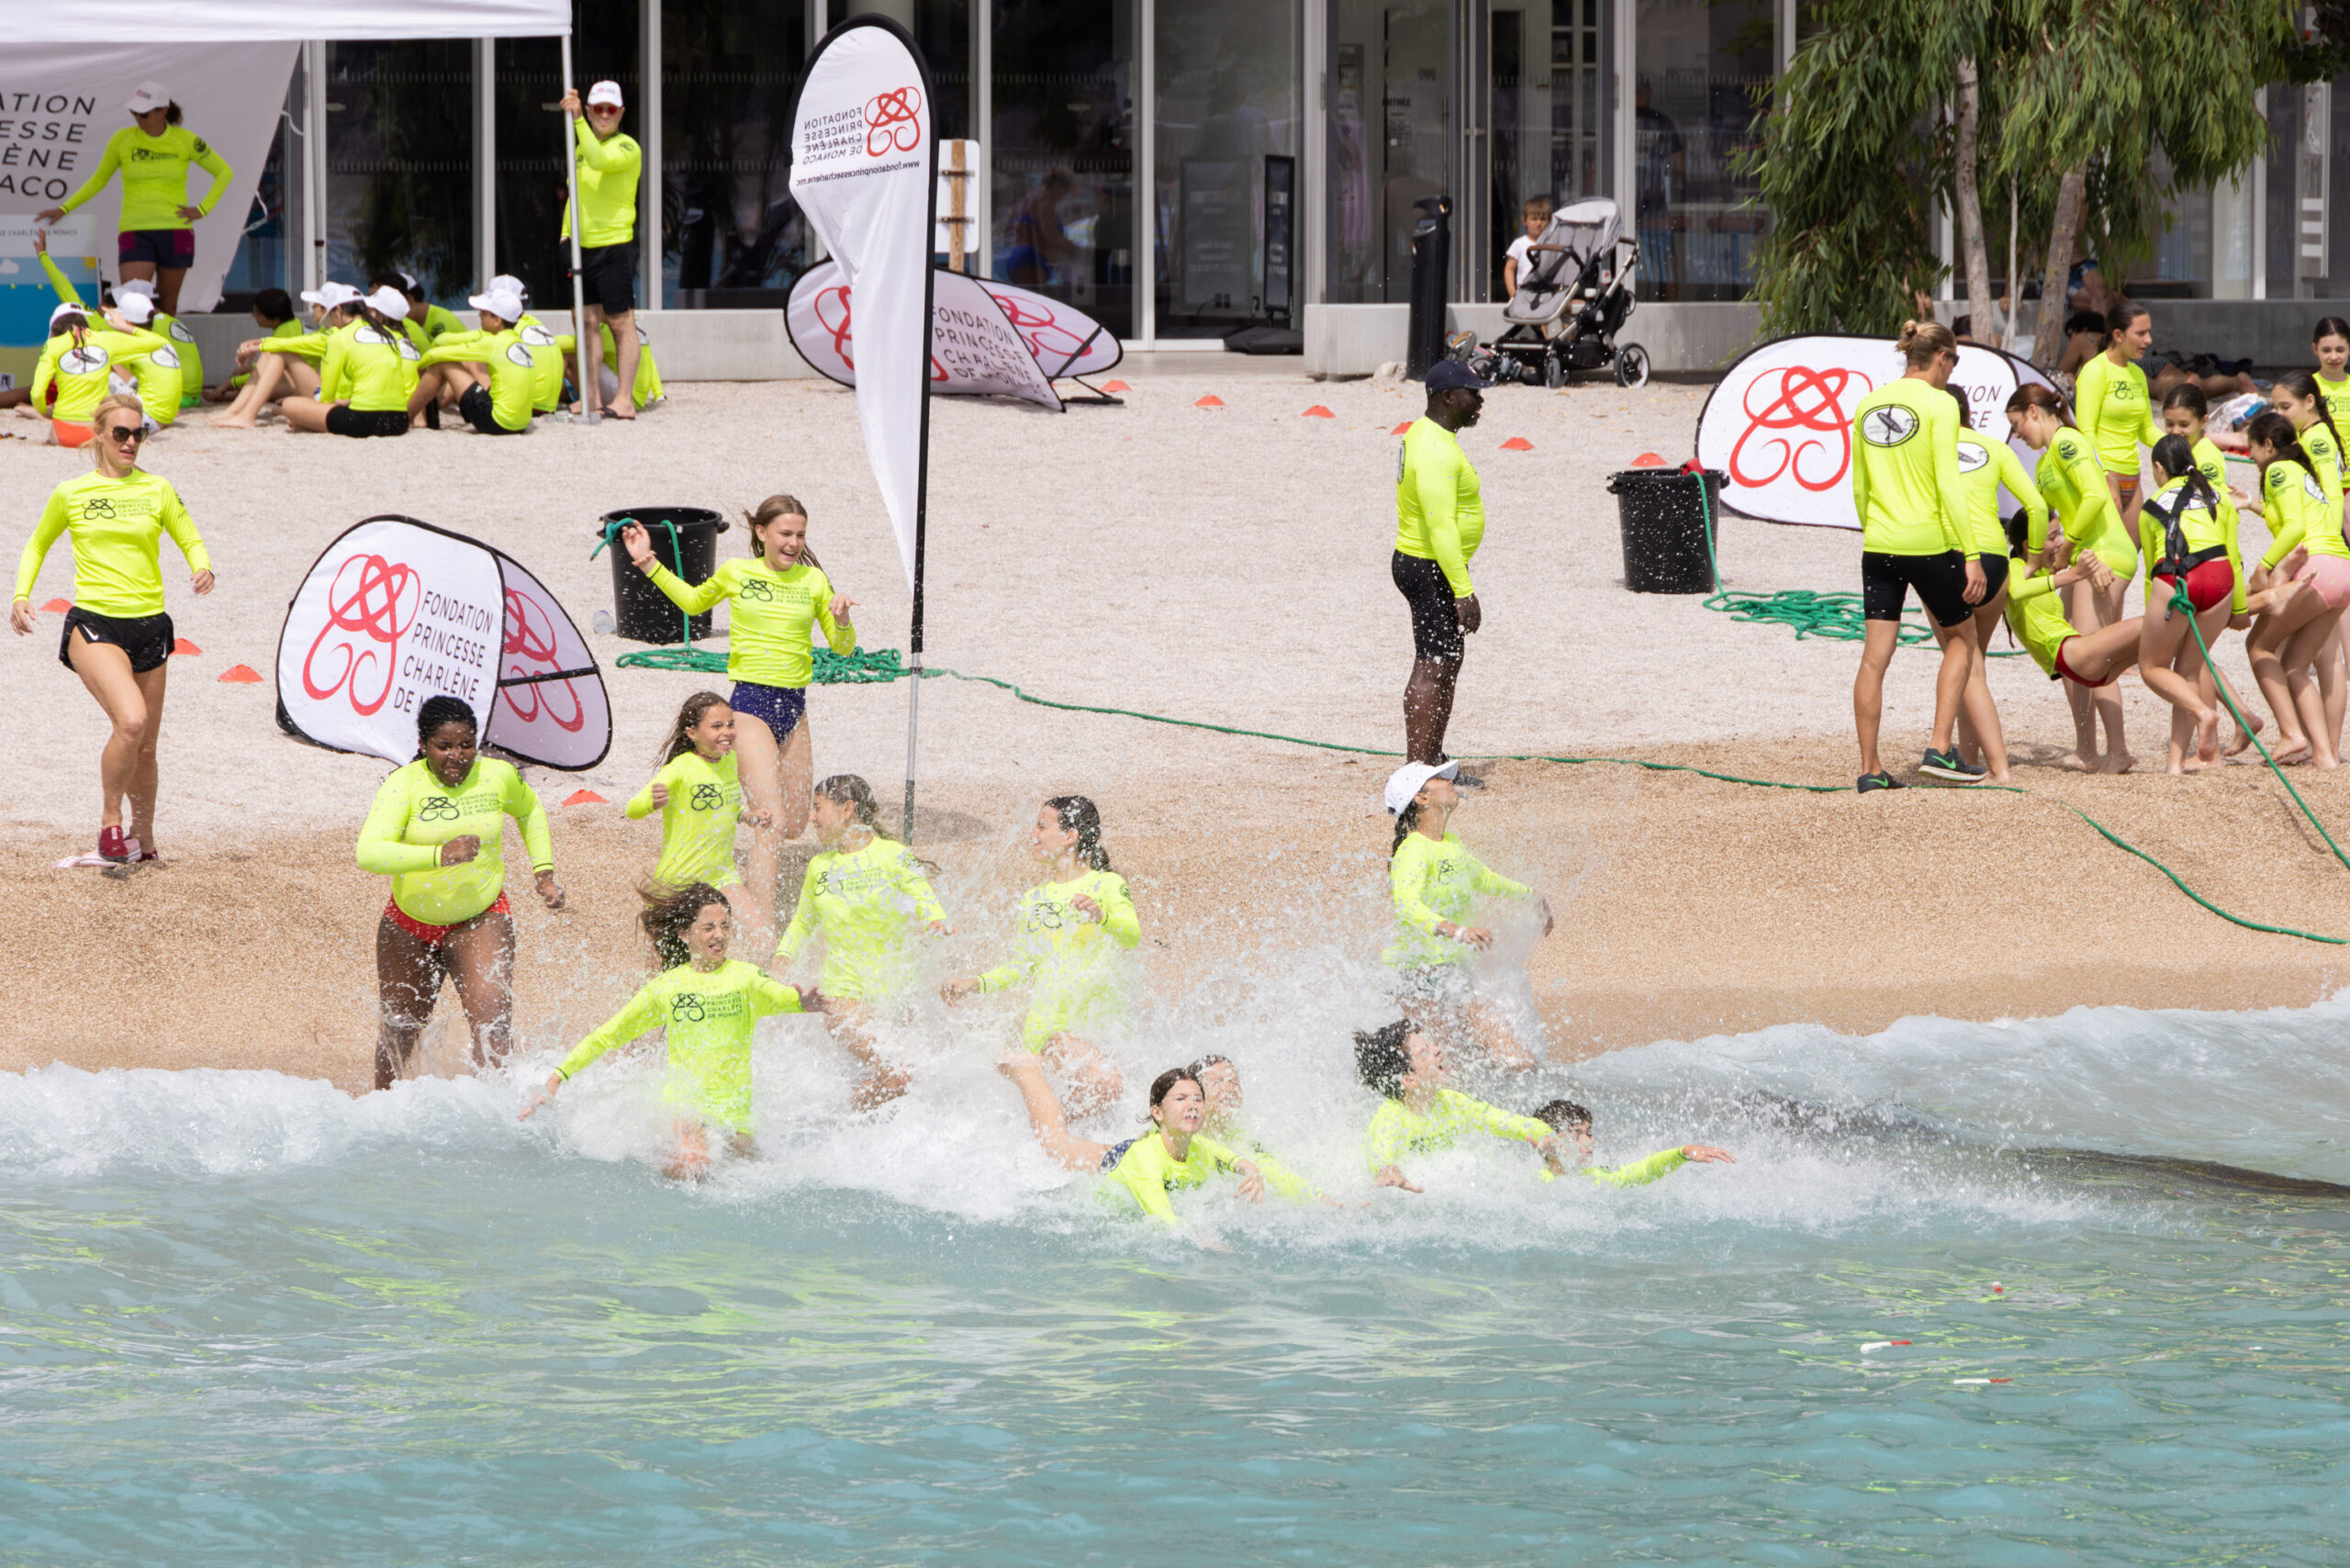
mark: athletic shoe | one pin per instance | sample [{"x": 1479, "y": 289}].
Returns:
[
  {"x": 1870, "y": 783},
  {"x": 112, "y": 846},
  {"x": 138, "y": 852},
  {"x": 1946, "y": 765}
]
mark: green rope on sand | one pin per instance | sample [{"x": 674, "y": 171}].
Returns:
[{"x": 866, "y": 666}]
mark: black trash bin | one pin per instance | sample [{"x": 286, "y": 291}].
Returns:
[
  {"x": 641, "y": 612},
  {"x": 1668, "y": 517},
  {"x": 1431, "y": 263}
]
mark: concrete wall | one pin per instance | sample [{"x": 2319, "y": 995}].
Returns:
[
  {"x": 1355, "y": 340},
  {"x": 2273, "y": 333},
  {"x": 691, "y": 345}
]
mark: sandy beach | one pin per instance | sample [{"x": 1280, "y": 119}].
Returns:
[{"x": 1226, "y": 566}]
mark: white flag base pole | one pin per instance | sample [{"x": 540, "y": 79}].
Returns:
[
  {"x": 591, "y": 392},
  {"x": 913, "y": 733}
]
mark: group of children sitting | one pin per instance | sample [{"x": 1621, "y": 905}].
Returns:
[{"x": 372, "y": 363}]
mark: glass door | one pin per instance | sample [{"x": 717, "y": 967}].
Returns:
[
  {"x": 1391, "y": 139},
  {"x": 1061, "y": 153}
]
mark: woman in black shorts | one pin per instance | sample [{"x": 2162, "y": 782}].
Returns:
[{"x": 116, "y": 636}]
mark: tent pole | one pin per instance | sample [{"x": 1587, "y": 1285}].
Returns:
[
  {"x": 921, "y": 481},
  {"x": 314, "y": 163},
  {"x": 583, "y": 355}
]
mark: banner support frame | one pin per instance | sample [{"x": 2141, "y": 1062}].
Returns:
[{"x": 580, "y": 356}]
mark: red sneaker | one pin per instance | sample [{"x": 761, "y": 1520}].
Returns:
[
  {"x": 138, "y": 852},
  {"x": 112, "y": 846}
]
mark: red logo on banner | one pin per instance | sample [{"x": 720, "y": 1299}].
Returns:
[
  {"x": 892, "y": 122},
  {"x": 377, "y": 599},
  {"x": 833, "y": 303},
  {"x": 531, "y": 648},
  {"x": 1806, "y": 400},
  {"x": 1037, "y": 329}
]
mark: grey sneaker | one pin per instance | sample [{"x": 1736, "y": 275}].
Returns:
[{"x": 1946, "y": 765}]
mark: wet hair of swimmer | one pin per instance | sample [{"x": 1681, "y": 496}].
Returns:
[
  {"x": 681, "y": 739},
  {"x": 1381, "y": 1060},
  {"x": 1563, "y": 1114},
  {"x": 437, "y": 712},
  {"x": 1165, "y": 1084},
  {"x": 1213, "y": 1058},
  {"x": 848, "y": 789},
  {"x": 1082, "y": 817},
  {"x": 670, "y": 912}
]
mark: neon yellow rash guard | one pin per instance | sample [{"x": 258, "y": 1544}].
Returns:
[
  {"x": 367, "y": 370},
  {"x": 58, "y": 283},
  {"x": 648, "y": 374},
  {"x": 1905, "y": 487},
  {"x": 1148, "y": 1172},
  {"x": 1067, "y": 958},
  {"x": 513, "y": 373},
  {"x": 438, "y": 319},
  {"x": 546, "y": 364},
  {"x": 415, "y": 814},
  {"x": 2212, "y": 463},
  {"x": 769, "y": 614},
  {"x": 82, "y": 371},
  {"x": 2035, "y": 614},
  {"x": 163, "y": 370},
  {"x": 862, "y": 902},
  {"x": 1397, "y": 1130},
  {"x": 708, "y": 1017},
  {"x": 2296, "y": 501},
  {"x": 2075, "y": 488},
  {"x": 2115, "y": 412},
  {"x": 2337, "y": 396},
  {"x": 1983, "y": 466},
  {"x": 2325, "y": 460},
  {"x": 1638, "y": 1173},
  {"x": 1439, "y": 503},
  {"x": 191, "y": 357},
  {"x": 310, "y": 344},
  {"x": 608, "y": 167},
  {"x": 117, "y": 528},
  {"x": 283, "y": 329},
  {"x": 698, "y": 824},
  {"x": 155, "y": 176},
  {"x": 1432, "y": 882},
  {"x": 2201, "y": 528}
]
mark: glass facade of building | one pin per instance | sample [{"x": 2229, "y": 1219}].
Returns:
[{"x": 1178, "y": 168}]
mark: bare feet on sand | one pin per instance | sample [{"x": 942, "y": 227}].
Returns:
[{"x": 2118, "y": 762}]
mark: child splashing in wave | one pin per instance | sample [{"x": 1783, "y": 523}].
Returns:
[
  {"x": 1423, "y": 1111},
  {"x": 707, "y": 1004},
  {"x": 700, "y": 797},
  {"x": 864, "y": 894},
  {"x": 1432, "y": 875},
  {"x": 1072, "y": 926},
  {"x": 1575, "y": 1123}
]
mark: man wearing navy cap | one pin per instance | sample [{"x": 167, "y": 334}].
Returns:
[{"x": 1439, "y": 523}]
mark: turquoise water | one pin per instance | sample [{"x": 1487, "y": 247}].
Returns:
[{"x": 246, "y": 1320}]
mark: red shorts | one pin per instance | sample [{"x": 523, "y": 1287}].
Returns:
[
  {"x": 2065, "y": 670},
  {"x": 433, "y": 935},
  {"x": 70, "y": 433},
  {"x": 2208, "y": 583}
]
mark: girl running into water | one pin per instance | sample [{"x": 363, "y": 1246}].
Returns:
[
  {"x": 863, "y": 895},
  {"x": 699, "y": 797},
  {"x": 707, "y": 1006},
  {"x": 1422, "y": 1112},
  {"x": 2186, "y": 537},
  {"x": 1432, "y": 876},
  {"x": 2287, "y": 644},
  {"x": 1984, "y": 465},
  {"x": 153, "y": 154},
  {"x": 117, "y": 637},
  {"x": 1072, "y": 927},
  {"x": 2081, "y": 501},
  {"x": 2116, "y": 414},
  {"x": 776, "y": 595},
  {"x": 437, "y": 829},
  {"x": 1175, "y": 1154}
]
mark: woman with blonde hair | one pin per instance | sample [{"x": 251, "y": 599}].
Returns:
[
  {"x": 775, "y": 596},
  {"x": 118, "y": 637}
]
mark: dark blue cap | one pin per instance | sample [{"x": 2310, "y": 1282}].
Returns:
[{"x": 1447, "y": 374}]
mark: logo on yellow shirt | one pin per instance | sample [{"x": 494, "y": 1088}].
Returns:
[{"x": 1889, "y": 426}]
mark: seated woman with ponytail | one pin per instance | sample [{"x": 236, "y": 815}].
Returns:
[
  {"x": 365, "y": 378},
  {"x": 707, "y": 1005},
  {"x": 293, "y": 365},
  {"x": 2187, "y": 537},
  {"x": 503, "y": 405}
]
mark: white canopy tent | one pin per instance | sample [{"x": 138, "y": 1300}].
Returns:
[{"x": 87, "y": 23}]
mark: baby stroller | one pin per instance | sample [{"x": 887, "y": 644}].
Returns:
[{"x": 1572, "y": 297}]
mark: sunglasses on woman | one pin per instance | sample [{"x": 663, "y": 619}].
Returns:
[{"x": 130, "y": 434}]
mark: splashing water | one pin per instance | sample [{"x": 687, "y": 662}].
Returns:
[{"x": 246, "y": 1318}]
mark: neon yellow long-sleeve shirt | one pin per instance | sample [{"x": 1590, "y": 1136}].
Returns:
[
  {"x": 1983, "y": 466},
  {"x": 864, "y": 904},
  {"x": 1905, "y": 487},
  {"x": 415, "y": 814},
  {"x": 708, "y": 1017},
  {"x": 1148, "y": 1172},
  {"x": 2075, "y": 486},
  {"x": 2201, "y": 528},
  {"x": 2035, "y": 614},
  {"x": 367, "y": 370},
  {"x": 81, "y": 370},
  {"x": 117, "y": 528},
  {"x": 2299, "y": 512},
  {"x": 648, "y": 374},
  {"x": 1431, "y": 880},
  {"x": 513, "y": 372},
  {"x": 1638, "y": 1173},
  {"x": 1068, "y": 958},
  {"x": 155, "y": 176},
  {"x": 1440, "y": 503},
  {"x": 2111, "y": 403},
  {"x": 608, "y": 170},
  {"x": 698, "y": 824},
  {"x": 1397, "y": 1130},
  {"x": 768, "y": 640}
]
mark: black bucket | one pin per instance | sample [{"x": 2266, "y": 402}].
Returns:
[
  {"x": 1667, "y": 516},
  {"x": 641, "y": 612}
]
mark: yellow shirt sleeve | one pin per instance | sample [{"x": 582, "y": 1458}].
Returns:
[
  {"x": 523, "y": 803},
  {"x": 1950, "y": 486},
  {"x": 643, "y": 1014},
  {"x": 182, "y": 528},
  {"x": 109, "y": 161},
  {"x": 1119, "y": 920},
  {"x": 382, "y": 850},
  {"x": 1438, "y": 490},
  {"x": 803, "y": 914},
  {"x": 694, "y": 598},
  {"x": 46, "y": 533},
  {"x": 2018, "y": 484}
]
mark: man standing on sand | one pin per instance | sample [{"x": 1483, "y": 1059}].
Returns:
[
  {"x": 1439, "y": 523},
  {"x": 609, "y": 165}
]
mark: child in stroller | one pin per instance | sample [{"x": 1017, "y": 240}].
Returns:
[{"x": 1573, "y": 293}]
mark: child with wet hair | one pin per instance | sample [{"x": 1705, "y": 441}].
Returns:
[{"x": 1572, "y": 1120}]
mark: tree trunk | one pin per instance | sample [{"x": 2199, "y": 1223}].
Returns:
[
  {"x": 1983, "y": 314},
  {"x": 2048, "y": 335}
]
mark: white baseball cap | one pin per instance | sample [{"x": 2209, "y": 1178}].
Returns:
[
  {"x": 135, "y": 307},
  {"x": 501, "y": 302},
  {"x": 333, "y": 295},
  {"x": 605, "y": 93},
  {"x": 510, "y": 283},
  {"x": 389, "y": 300},
  {"x": 407, "y": 279},
  {"x": 150, "y": 97},
  {"x": 1404, "y": 784},
  {"x": 145, "y": 286},
  {"x": 61, "y": 312}
]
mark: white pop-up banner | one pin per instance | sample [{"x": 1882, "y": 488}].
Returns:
[
  {"x": 862, "y": 163},
  {"x": 396, "y": 611},
  {"x": 974, "y": 351},
  {"x": 1779, "y": 423}
]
